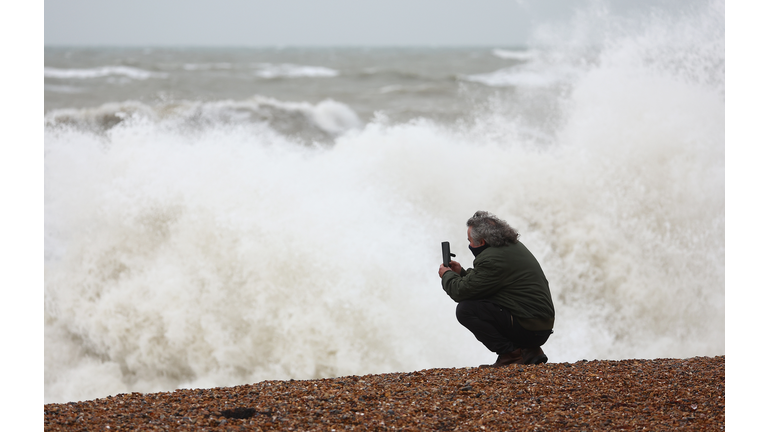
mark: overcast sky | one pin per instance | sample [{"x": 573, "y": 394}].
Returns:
[{"x": 312, "y": 22}]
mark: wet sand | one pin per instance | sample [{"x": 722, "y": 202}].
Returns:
[{"x": 660, "y": 394}]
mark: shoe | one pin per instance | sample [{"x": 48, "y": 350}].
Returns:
[
  {"x": 508, "y": 358},
  {"x": 534, "y": 356}
]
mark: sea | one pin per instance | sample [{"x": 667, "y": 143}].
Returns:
[{"x": 223, "y": 216}]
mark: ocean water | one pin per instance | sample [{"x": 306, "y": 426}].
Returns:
[{"x": 216, "y": 217}]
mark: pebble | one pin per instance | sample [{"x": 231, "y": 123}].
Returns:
[{"x": 659, "y": 394}]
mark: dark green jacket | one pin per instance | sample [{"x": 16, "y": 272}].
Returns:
[{"x": 511, "y": 277}]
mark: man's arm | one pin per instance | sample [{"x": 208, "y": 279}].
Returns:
[{"x": 480, "y": 282}]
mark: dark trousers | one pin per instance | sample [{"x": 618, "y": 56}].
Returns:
[{"x": 495, "y": 327}]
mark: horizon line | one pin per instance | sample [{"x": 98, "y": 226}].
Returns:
[{"x": 287, "y": 46}]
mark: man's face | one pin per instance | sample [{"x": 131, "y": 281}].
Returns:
[{"x": 472, "y": 241}]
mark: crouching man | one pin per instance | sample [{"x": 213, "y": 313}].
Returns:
[{"x": 504, "y": 300}]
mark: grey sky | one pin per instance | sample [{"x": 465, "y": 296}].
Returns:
[{"x": 310, "y": 22}]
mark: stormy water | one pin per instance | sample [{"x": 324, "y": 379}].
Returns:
[{"x": 222, "y": 216}]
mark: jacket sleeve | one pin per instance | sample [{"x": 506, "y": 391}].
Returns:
[{"x": 476, "y": 283}]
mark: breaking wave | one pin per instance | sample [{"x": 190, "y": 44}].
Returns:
[{"x": 319, "y": 122}]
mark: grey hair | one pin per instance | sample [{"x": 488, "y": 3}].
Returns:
[{"x": 488, "y": 227}]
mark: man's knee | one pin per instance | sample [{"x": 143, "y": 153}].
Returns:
[{"x": 466, "y": 310}]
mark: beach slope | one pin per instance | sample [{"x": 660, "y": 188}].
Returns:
[{"x": 660, "y": 394}]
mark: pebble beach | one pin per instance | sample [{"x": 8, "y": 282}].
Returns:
[{"x": 659, "y": 394}]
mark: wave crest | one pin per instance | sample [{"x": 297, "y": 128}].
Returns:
[
  {"x": 304, "y": 121},
  {"x": 99, "y": 72},
  {"x": 287, "y": 70}
]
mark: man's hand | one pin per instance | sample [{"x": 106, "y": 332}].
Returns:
[{"x": 455, "y": 267}]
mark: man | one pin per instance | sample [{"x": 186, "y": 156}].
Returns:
[{"x": 504, "y": 300}]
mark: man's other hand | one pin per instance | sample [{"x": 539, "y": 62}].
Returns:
[{"x": 455, "y": 267}]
